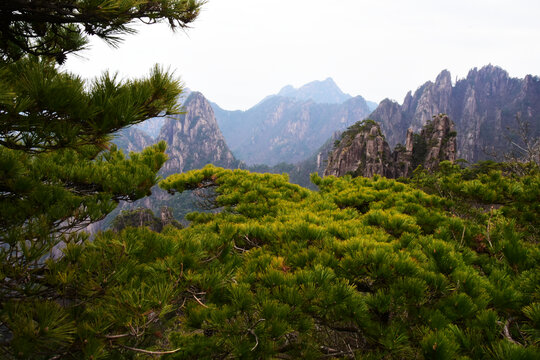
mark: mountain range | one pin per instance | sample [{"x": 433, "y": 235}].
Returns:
[
  {"x": 292, "y": 124},
  {"x": 294, "y": 131},
  {"x": 284, "y": 129}
]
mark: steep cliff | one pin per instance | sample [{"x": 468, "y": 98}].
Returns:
[
  {"x": 483, "y": 106},
  {"x": 363, "y": 150},
  {"x": 194, "y": 138}
]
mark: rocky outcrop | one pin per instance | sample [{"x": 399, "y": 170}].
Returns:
[
  {"x": 483, "y": 106},
  {"x": 194, "y": 138},
  {"x": 363, "y": 150},
  {"x": 439, "y": 135},
  {"x": 403, "y": 156},
  {"x": 143, "y": 217}
]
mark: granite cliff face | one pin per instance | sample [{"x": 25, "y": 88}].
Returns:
[
  {"x": 132, "y": 139},
  {"x": 439, "y": 137},
  {"x": 483, "y": 106},
  {"x": 363, "y": 150},
  {"x": 194, "y": 138},
  {"x": 284, "y": 129}
]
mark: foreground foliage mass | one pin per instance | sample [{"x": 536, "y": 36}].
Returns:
[
  {"x": 58, "y": 172},
  {"x": 365, "y": 268}
]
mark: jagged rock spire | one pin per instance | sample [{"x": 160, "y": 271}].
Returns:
[{"x": 363, "y": 150}]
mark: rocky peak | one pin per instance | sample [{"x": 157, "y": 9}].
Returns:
[
  {"x": 487, "y": 73},
  {"x": 363, "y": 150},
  {"x": 444, "y": 80},
  {"x": 324, "y": 92},
  {"x": 194, "y": 138},
  {"x": 439, "y": 135}
]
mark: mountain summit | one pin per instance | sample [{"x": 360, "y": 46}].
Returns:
[{"x": 323, "y": 92}]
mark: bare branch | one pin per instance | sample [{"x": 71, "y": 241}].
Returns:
[
  {"x": 149, "y": 352},
  {"x": 199, "y": 301}
]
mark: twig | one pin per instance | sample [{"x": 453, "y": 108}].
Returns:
[
  {"x": 199, "y": 301},
  {"x": 506, "y": 332},
  {"x": 151, "y": 352},
  {"x": 489, "y": 226},
  {"x": 462, "y": 236},
  {"x": 119, "y": 336},
  {"x": 215, "y": 256},
  {"x": 239, "y": 248},
  {"x": 252, "y": 332},
  {"x": 351, "y": 350},
  {"x": 251, "y": 242}
]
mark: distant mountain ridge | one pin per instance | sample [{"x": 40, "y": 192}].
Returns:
[
  {"x": 291, "y": 125},
  {"x": 323, "y": 92},
  {"x": 284, "y": 129}
]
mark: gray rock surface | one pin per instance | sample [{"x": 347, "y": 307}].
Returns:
[
  {"x": 363, "y": 150},
  {"x": 483, "y": 106},
  {"x": 194, "y": 138}
]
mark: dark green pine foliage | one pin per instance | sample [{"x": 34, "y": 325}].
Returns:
[
  {"x": 59, "y": 173},
  {"x": 55, "y": 28}
]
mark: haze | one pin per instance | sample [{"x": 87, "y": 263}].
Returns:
[{"x": 239, "y": 51}]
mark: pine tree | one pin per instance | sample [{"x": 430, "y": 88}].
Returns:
[{"x": 59, "y": 173}]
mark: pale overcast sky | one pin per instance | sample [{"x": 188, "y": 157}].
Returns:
[{"x": 239, "y": 51}]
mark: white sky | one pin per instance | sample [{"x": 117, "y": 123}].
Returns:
[{"x": 239, "y": 51}]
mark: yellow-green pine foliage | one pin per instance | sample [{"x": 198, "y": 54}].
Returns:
[{"x": 371, "y": 268}]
